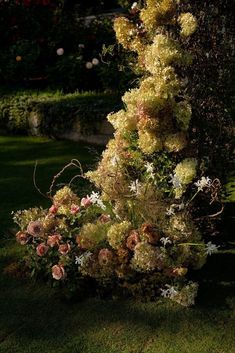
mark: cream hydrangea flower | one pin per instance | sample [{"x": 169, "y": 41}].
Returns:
[
  {"x": 148, "y": 142},
  {"x": 175, "y": 142},
  {"x": 162, "y": 52},
  {"x": 117, "y": 233},
  {"x": 123, "y": 120},
  {"x": 188, "y": 24},
  {"x": 157, "y": 12},
  {"x": 186, "y": 296},
  {"x": 146, "y": 257},
  {"x": 186, "y": 170},
  {"x": 126, "y": 34},
  {"x": 183, "y": 114}
]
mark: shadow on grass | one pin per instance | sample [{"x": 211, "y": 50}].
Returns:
[{"x": 34, "y": 319}]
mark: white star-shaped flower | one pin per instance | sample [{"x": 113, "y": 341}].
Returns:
[
  {"x": 164, "y": 293},
  {"x": 170, "y": 211},
  {"x": 204, "y": 182},
  {"x": 211, "y": 248},
  {"x": 149, "y": 169},
  {"x": 135, "y": 187},
  {"x": 80, "y": 260},
  {"x": 175, "y": 181},
  {"x": 165, "y": 241},
  {"x": 171, "y": 290},
  {"x": 95, "y": 199}
]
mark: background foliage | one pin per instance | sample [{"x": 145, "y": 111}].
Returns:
[{"x": 33, "y": 31}]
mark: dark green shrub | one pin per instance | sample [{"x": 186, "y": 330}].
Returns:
[{"x": 54, "y": 113}]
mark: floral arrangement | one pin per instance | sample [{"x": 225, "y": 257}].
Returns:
[{"x": 136, "y": 233}]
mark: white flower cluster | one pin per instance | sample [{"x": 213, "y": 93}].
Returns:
[
  {"x": 95, "y": 199},
  {"x": 204, "y": 182},
  {"x": 169, "y": 292},
  {"x": 81, "y": 260},
  {"x": 171, "y": 210},
  {"x": 135, "y": 187},
  {"x": 150, "y": 170}
]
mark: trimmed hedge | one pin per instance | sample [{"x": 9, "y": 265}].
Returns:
[{"x": 54, "y": 113}]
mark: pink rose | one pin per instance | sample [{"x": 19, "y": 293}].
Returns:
[
  {"x": 53, "y": 209},
  {"x": 86, "y": 202},
  {"x": 22, "y": 238},
  {"x": 58, "y": 272},
  {"x": 54, "y": 240},
  {"x": 64, "y": 249},
  {"x": 42, "y": 249},
  {"x": 74, "y": 209},
  {"x": 105, "y": 257}
]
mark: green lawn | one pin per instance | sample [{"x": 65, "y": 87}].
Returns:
[
  {"x": 36, "y": 319},
  {"x": 17, "y": 160}
]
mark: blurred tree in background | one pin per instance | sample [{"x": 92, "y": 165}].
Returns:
[{"x": 59, "y": 43}]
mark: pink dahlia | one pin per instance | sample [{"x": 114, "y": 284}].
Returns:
[{"x": 35, "y": 228}]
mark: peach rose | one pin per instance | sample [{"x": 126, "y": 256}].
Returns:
[
  {"x": 42, "y": 249},
  {"x": 64, "y": 249},
  {"x": 86, "y": 202},
  {"x": 58, "y": 272},
  {"x": 22, "y": 238},
  {"x": 105, "y": 257},
  {"x": 54, "y": 240},
  {"x": 132, "y": 240}
]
